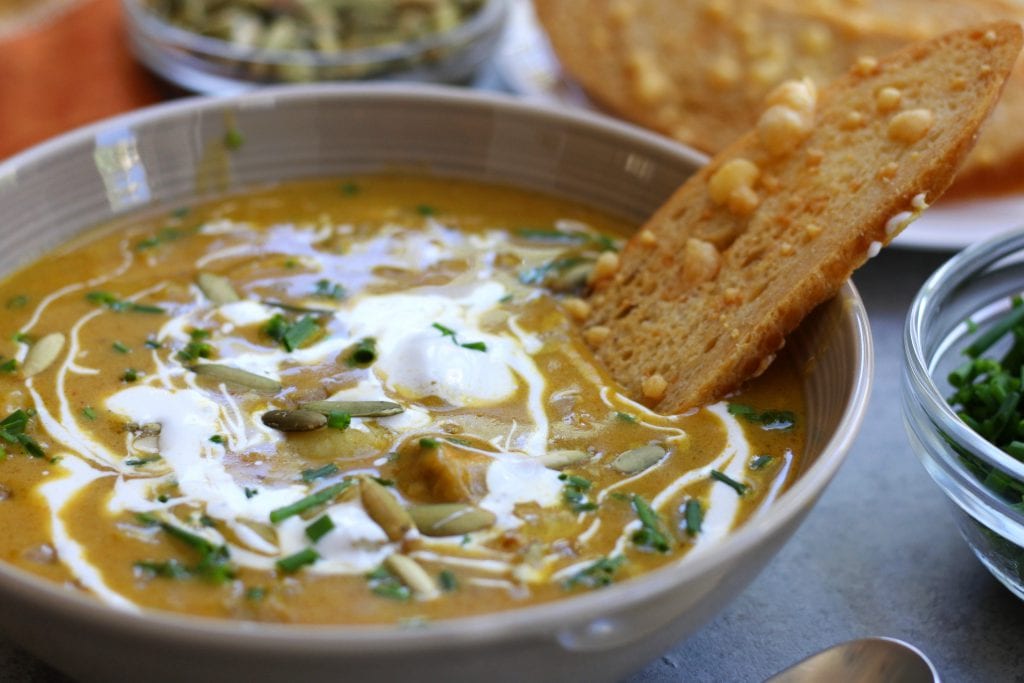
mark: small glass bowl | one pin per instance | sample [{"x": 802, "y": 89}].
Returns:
[
  {"x": 217, "y": 67},
  {"x": 959, "y": 301}
]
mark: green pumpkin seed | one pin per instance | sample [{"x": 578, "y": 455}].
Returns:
[
  {"x": 450, "y": 519},
  {"x": 42, "y": 354},
  {"x": 556, "y": 460},
  {"x": 226, "y": 373},
  {"x": 638, "y": 459},
  {"x": 383, "y": 509},
  {"x": 355, "y": 408},
  {"x": 294, "y": 420},
  {"x": 412, "y": 575},
  {"x": 217, "y": 288}
]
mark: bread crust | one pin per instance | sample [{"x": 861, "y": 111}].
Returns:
[{"x": 790, "y": 226}]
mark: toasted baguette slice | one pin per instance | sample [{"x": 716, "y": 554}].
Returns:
[
  {"x": 707, "y": 291},
  {"x": 697, "y": 70}
]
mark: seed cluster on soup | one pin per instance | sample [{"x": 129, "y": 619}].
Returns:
[{"x": 353, "y": 401}]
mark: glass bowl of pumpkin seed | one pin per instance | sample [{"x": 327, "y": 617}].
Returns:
[{"x": 229, "y": 46}]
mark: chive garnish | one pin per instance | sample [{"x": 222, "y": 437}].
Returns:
[
  {"x": 759, "y": 462},
  {"x": 89, "y": 413},
  {"x": 694, "y": 514},
  {"x": 996, "y": 332},
  {"x": 740, "y": 488},
  {"x": 769, "y": 420},
  {"x": 255, "y": 593},
  {"x": 153, "y": 344},
  {"x": 320, "y": 472},
  {"x": 294, "y": 563},
  {"x": 625, "y": 417},
  {"x": 291, "y": 335},
  {"x": 386, "y": 585},
  {"x": 12, "y": 430},
  {"x": 9, "y": 365},
  {"x": 602, "y": 242},
  {"x": 250, "y": 493},
  {"x": 537, "y": 276},
  {"x": 574, "y": 493},
  {"x": 217, "y": 438},
  {"x": 448, "y": 581},
  {"x": 130, "y": 375},
  {"x": 363, "y": 353},
  {"x": 139, "y": 462},
  {"x": 445, "y": 331},
  {"x": 169, "y": 569},
  {"x": 16, "y": 302},
  {"x": 426, "y": 210},
  {"x": 600, "y": 573},
  {"x": 326, "y": 289},
  {"x": 475, "y": 346},
  {"x": 21, "y": 338},
  {"x": 427, "y": 442},
  {"x": 319, "y": 498},
  {"x": 119, "y": 305},
  {"x": 339, "y": 421},
  {"x": 450, "y": 333},
  {"x": 121, "y": 347},
  {"x": 650, "y": 535},
  {"x": 319, "y": 528},
  {"x": 214, "y": 561}
]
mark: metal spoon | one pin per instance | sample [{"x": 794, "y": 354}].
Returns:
[{"x": 868, "y": 660}]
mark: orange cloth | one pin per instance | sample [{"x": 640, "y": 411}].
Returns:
[{"x": 71, "y": 71}]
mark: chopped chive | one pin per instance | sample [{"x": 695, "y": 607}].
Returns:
[
  {"x": 448, "y": 581},
  {"x": 996, "y": 332},
  {"x": 386, "y": 585},
  {"x": 694, "y": 514},
  {"x": 339, "y": 421},
  {"x": 217, "y": 438},
  {"x": 769, "y": 420},
  {"x": 153, "y": 344},
  {"x": 457, "y": 441},
  {"x": 21, "y": 338},
  {"x": 596, "y": 575},
  {"x": 139, "y": 462},
  {"x": 650, "y": 535},
  {"x": 89, "y": 413},
  {"x": 16, "y": 302},
  {"x": 319, "y": 498},
  {"x": 320, "y": 472},
  {"x": 255, "y": 593},
  {"x": 759, "y": 462},
  {"x": 12, "y": 430},
  {"x": 363, "y": 353},
  {"x": 250, "y": 493},
  {"x": 426, "y": 210},
  {"x": 130, "y": 375},
  {"x": 625, "y": 417},
  {"x": 120, "y": 347},
  {"x": 574, "y": 493},
  {"x": 445, "y": 331},
  {"x": 427, "y": 442},
  {"x": 319, "y": 528},
  {"x": 9, "y": 365},
  {"x": 169, "y": 569},
  {"x": 119, "y": 305},
  {"x": 294, "y": 563},
  {"x": 291, "y": 335},
  {"x": 475, "y": 346},
  {"x": 726, "y": 479},
  {"x": 326, "y": 289}
]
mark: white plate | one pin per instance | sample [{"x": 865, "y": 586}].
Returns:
[{"x": 528, "y": 66}]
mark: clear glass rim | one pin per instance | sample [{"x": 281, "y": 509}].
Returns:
[
  {"x": 151, "y": 25},
  {"x": 958, "y": 482}
]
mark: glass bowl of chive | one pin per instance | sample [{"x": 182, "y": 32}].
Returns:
[
  {"x": 220, "y": 47},
  {"x": 963, "y": 396}
]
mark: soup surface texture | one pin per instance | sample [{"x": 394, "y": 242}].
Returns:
[{"x": 167, "y": 443}]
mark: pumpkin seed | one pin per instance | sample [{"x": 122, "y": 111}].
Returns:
[
  {"x": 412, "y": 575},
  {"x": 226, "y": 373},
  {"x": 638, "y": 459},
  {"x": 450, "y": 519},
  {"x": 217, "y": 288},
  {"x": 294, "y": 420},
  {"x": 355, "y": 408},
  {"x": 42, "y": 354},
  {"x": 384, "y": 509},
  {"x": 556, "y": 460}
]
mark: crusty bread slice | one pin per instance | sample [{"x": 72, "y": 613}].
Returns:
[
  {"x": 707, "y": 290},
  {"x": 697, "y": 70}
]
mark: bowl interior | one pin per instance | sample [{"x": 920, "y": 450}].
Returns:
[{"x": 161, "y": 158}]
